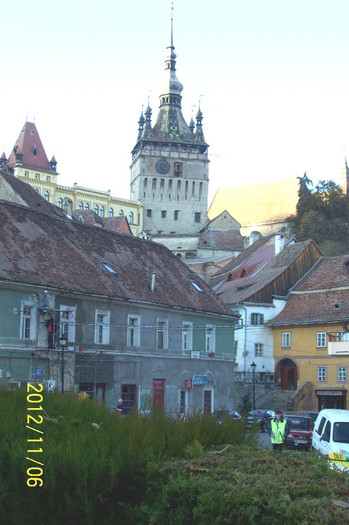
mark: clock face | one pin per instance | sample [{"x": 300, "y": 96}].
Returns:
[{"x": 162, "y": 166}]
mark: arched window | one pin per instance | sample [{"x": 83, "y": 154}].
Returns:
[
  {"x": 86, "y": 206},
  {"x": 111, "y": 212},
  {"x": 46, "y": 196},
  {"x": 80, "y": 205},
  {"x": 130, "y": 218},
  {"x": 121, "y": 213},
  {"x": 95, "y": 208},
  {"x": 101, "y": 211},
  {"x": 60, "y": 202}
]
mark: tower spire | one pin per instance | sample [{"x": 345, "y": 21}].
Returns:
[{"x": 172, "y": 89}]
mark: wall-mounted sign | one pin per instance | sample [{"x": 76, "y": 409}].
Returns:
[
  {"x": 37, "y": 372},
  {"x": 200, "y": 380},
  {"x": 329, "y": 392},
  {"x": 195, "y": 354},
  {"x": 188, "y": 383}
]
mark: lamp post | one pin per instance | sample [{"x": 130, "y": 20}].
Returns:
[
  {"x": 63, "y": 341},
  {"x": 253, "y": 366}
]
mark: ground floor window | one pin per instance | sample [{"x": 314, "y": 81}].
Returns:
[{"x": 128, "y": 394}]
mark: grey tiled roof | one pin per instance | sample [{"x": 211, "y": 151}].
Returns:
[{"x": 41, "y": 250}]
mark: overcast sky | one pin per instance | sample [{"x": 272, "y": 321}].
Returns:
[{"x": 272, "y": 76}]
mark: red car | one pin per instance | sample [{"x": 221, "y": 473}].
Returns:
[{"x": 301, "y": 431}]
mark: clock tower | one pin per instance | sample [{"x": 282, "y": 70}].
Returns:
[{"x": 169, "y": 170}]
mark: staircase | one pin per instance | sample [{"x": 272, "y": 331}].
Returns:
[
  {"x": 275, "y": 399},
  {"x": 266, "y": 396}
]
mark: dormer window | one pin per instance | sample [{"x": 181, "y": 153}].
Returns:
[
  {"x": 338, "y": 306},
  {"x": 35, "y": 150}
]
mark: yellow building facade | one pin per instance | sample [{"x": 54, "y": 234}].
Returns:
[{"x": 302, "y": 355}]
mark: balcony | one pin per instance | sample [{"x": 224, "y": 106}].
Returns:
[{"x": 338, "y": 348}]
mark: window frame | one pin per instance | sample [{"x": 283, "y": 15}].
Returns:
[
  {"x": 134, "y": 331},
  {"x": 162, "y": 345},
  {"x": 321, "y": 370},
  {"x": 258, "y": 349},
  {"x": 210, "y": 338},
  {"x": 284, "y": 336},
  {"x": 102, "y": 328},
  {"x": 321, "y": 340},
  {"x": 31, "y": 318},
  {"x": 71, "y": 323},
  {"x": 187, "y": 336},
  {"x": 339, "y": 369},
  {"x": 257, "y": 318}
]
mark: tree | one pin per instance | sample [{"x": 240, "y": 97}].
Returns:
[{"x": 322, "y": 214}]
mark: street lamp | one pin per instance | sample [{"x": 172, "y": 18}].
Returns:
[
  {"x": 63, "y": 341},
  {"x": 253, "y": 366}
]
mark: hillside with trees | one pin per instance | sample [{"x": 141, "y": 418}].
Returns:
[{"x": 322, "y": 215}]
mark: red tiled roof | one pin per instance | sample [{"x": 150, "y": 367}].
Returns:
[
  {"x": 322, "y": 296},
  {"x": 40, "y": 250},
  {"x": 244, "y": 288},
  {"x": 30, "y": 145},
  {"x": 328, "y": 306},
  {"x": 239, "y": 261}
]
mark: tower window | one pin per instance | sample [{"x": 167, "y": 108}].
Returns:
[
  {"x": 197, "y": 217},
  {"x": 101, "y": 211},
  {"x": 95, "y": 208},
  {"x": 193, "y": 190},
  {"x": 121, "y": 213},
  {"x": 149, "y": 213},
  {"x": 163, "y": 214},
  {"x": 80, "y": 206},
  {"x": 86, "y": 206},
  {"x": 176, "y": 215},
  {"x": 46, "y": 196},
  {"x": 154, "y": 185},
  {"x": 130, "y": 217},
  {"x": 111, "y": 212},
  {"x": 145, "y": 184},
  {"x": 178, "y": 169}
]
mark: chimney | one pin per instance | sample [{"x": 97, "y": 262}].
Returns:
[
  {"x": 279, "y": 243},
  {"x": 152, "y": 287},
  {"x": 68, "y": 206}
]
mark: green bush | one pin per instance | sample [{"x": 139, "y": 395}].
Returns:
[{"x": 90, "y": 475}]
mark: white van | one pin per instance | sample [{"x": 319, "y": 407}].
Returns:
[{"x": 331, "y": 436}]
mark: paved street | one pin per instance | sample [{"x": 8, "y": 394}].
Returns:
[{"x": 264, "y": 439}]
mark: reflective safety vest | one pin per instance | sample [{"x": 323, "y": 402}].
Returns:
[{"x": 278, "y": 429}]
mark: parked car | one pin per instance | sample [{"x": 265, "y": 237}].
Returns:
[
  {"x": 260, "y": 417},
  {"x": 301, "y": 431},
  {"x": 331, "y": 436},
  {"x": 231, "y": 414},
  {"x": 309, "y": 413}
]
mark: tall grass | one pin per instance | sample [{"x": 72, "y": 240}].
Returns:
[{"x": 90, "y": 475}]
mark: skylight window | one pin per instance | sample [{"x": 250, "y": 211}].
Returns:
[
  {"x": 196, "y": 286},
  {"x": 338, "y": 306},
  {"x": 110, "y": 270}
]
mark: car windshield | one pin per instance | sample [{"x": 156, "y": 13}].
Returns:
[
  {"x": 341, "y": 432},
  {"x": 298, "y": 422}
]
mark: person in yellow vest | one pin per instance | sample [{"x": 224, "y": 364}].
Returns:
[{"x": 278, "y": 430}]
